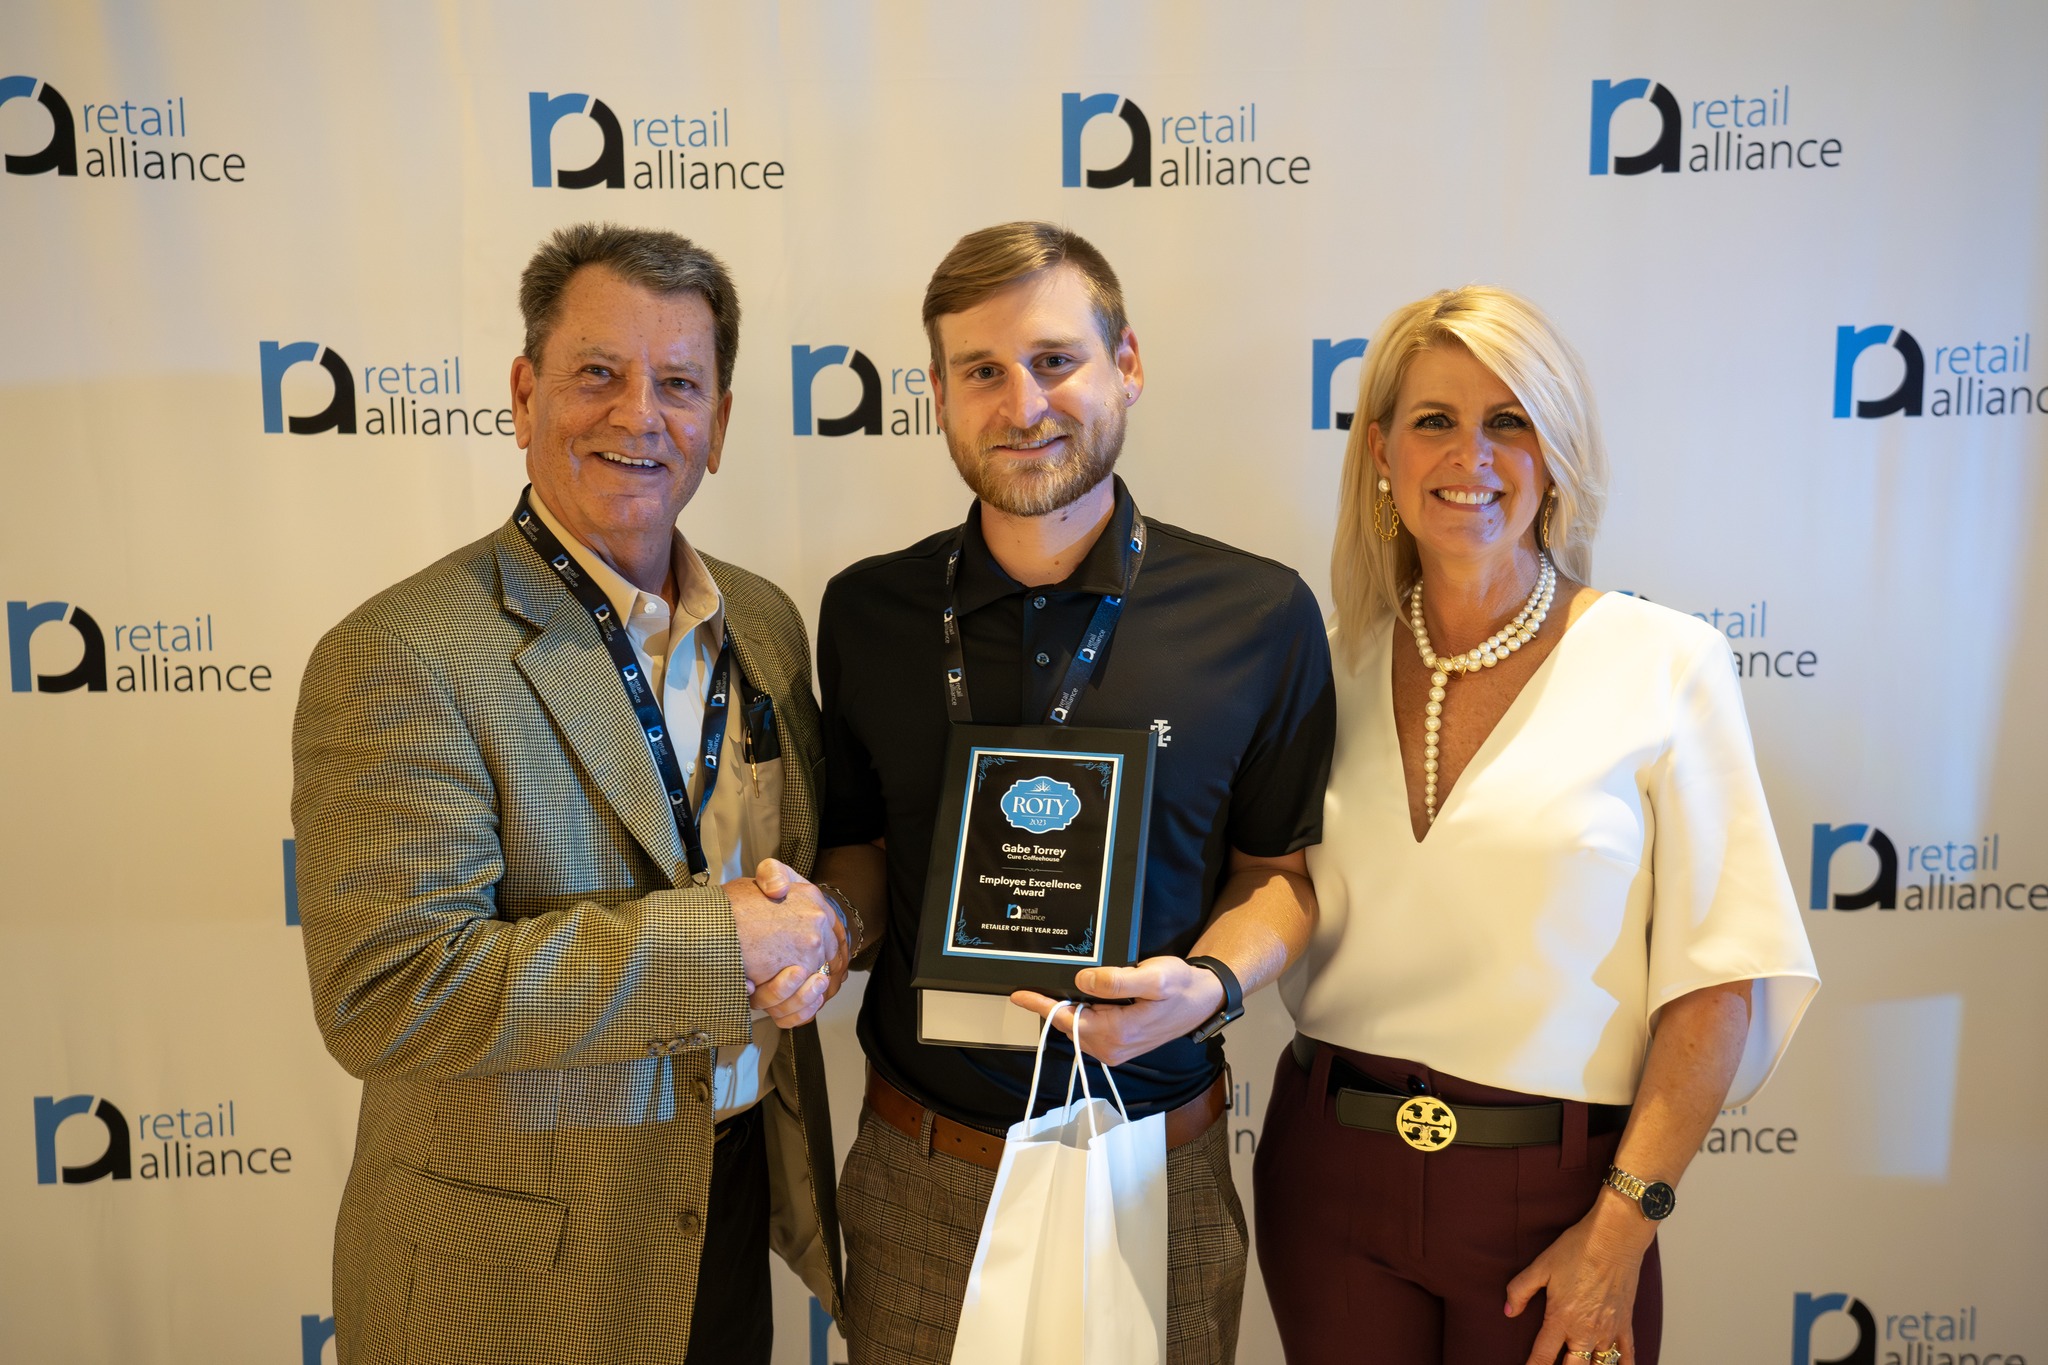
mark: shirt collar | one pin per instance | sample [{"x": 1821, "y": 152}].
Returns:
[
  {"x": 1100, "y": 572},
  {"x": 697, "y": 597}
]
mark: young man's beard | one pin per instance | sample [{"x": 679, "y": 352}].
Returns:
[{"x": 1034, "y": 489}]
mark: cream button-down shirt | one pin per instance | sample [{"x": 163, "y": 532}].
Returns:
[{"x": 741, "y": 824}]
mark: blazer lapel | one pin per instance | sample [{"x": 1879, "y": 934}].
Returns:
[{"x": 577, "y": 683}]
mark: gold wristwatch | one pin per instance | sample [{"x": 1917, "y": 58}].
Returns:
[{"x": 1655, "y": 1198}]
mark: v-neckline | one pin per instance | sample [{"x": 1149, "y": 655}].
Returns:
[{"x": 1484, "y": 753}]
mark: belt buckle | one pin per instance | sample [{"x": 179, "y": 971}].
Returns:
[{"x": 1426, "y": 1123}]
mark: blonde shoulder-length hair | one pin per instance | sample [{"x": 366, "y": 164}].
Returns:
[{"x": 1370, "y": 577}]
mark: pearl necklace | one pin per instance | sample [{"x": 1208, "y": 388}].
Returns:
[{"x": 1502, "y": 643}]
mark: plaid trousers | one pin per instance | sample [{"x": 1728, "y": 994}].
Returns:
[{"x": 912, "y": 1218}]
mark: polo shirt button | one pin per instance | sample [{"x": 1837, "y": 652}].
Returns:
[
  {"x": 690, "y": 1221},
  {"x": 703, "y": 1092},
  {"x": 1038, "y": 602},
  {"x": 1043, "y": 658},
  {"x": 1417, "y": 1086}
]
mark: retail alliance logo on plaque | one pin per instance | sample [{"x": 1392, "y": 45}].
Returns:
[
  {"x": 108, "y": 137},
  {"x": 1860, "y": 867},
  {"x": 1841, "y": 1329},
  {"x": 62, "y": 647},
  {"x": 844, "y": 381},
  {"x": 1975, "y": 376},
  {"x": 1107, "y": 141},
  {"x": 577, "y": 142},
  {"x": 310, "y": 388},
  {"x": 1640, "y": 125},
  {"x": 80, "y": 1139}
]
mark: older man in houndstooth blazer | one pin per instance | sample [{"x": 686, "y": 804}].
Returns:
[{"x": 503, "y": 934}]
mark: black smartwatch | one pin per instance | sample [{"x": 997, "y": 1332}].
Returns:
[{"x": 1233, "y": 1000}]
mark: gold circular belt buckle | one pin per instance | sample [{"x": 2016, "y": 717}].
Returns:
[{"x": 1426, "y": 1124}]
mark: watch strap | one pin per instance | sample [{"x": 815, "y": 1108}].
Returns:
[{"x": 1233, "y": 999}]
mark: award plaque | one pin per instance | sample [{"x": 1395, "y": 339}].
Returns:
[{"x": 1038, "y": 860}]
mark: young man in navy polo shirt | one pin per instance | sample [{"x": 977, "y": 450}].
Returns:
[{"x": 1221, "y": 653}]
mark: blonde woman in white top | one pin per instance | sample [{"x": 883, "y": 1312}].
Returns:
[{"x": 1555, "y": 929}]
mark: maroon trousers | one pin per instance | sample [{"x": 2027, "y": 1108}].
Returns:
[{"x": 1374, "y": 1251}]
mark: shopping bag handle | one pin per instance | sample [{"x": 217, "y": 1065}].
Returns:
[
  {"x": 1038, "y": 1062},
  {"x": 1080, "y": 1066}
]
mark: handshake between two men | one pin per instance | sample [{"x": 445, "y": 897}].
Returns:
[{"x": 793, "y": 942}]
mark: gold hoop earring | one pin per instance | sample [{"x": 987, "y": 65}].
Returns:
[
  {"x": 1386, "y": 518},
  {"x": 1549, "y": 506}
]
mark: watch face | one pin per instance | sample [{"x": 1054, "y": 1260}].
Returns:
[{"x": 1658, "y": 1201}]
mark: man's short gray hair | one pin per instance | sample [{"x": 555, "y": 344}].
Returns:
[{"x": 659, "y": 261}]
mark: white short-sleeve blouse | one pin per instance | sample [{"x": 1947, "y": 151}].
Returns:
[{"x": 1606, "y": 851}]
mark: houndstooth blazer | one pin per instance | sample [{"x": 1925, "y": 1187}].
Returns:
[{"x": 505, "y": 946}]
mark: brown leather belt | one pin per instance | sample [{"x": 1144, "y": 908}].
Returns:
[{"x": 963, "y": 1143}]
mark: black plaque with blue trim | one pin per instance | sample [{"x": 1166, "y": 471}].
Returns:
[{"x": 1038, "y": 858}]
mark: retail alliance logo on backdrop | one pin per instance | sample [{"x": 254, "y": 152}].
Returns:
[
  {"x": 1735, "y": 1133},
  {"x": 1326, "y": 357},
  {"x": 84, "y": 1138},
  {"x": 315, "y": 1331},
  {"x": 1952, "y": 874},
  {"x": 146, "y": 140},
  {"x": 410, "y": 398},
  {"x": 672, "y": 151},
  {"x": 1845, "y": 1325},
  {"x": 1979, "y": 375},
  {"x": 61, "y": 647},
  {"x": 1203, "y": 147},
  {"x": 1735, "y": 132},
  {"x": 907, "y": 391}
]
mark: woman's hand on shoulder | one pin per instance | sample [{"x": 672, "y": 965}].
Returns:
[{"x": 1588, "y": 1277}]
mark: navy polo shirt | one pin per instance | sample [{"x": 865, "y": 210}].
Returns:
[{"x": 1222, "y": 652}]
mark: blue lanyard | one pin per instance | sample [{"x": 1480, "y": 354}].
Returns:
[
  {"x": 1094, "y": 639},
  {"x": 646, "y": 706}
]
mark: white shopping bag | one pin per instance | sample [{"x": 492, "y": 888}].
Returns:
[{"x": 1071, "y": 1266}]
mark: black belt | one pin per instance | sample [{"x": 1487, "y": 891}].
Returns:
[{"x": 1430, "y": 1123}]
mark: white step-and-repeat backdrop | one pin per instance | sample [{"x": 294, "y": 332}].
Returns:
[{"x": 256, "y": 320}]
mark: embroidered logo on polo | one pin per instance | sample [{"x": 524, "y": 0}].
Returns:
[{"x": 1040, "y": 805}]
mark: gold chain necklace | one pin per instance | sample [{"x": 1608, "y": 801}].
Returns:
[{"x": 1489, "y": 652}]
